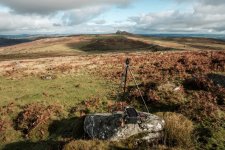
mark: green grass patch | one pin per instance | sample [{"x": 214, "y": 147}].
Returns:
[{"x": 67, "y": 90}]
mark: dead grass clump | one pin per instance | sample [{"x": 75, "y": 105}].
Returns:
[
  {"x": 9, "y": 110},
  {"x": 48, "y": 77},
  {"x": 87, "y": 145},
  {"x": 7, "y": 132},
  {"x": 4, "y": 124},
  {"x": 178, "y": 130},
  {"x": 117, "y": 106},
  {"x": 62, "y": 68},
  {"x": 91, "y": 104},
  {"x": 36, "y": 116}
]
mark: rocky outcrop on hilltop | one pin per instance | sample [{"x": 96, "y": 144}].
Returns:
[{"x": 123, "y": 33}]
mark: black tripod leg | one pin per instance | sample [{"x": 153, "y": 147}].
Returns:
[{"x": 125, "y": 80}]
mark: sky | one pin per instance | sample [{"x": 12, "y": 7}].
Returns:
[{"x": 108, "y": 16}]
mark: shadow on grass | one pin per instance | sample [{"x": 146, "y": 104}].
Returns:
[
  {"x": 217, "y": 79},
  {"x": 153, "y": 103},
  {"x": 68, "y": 129},
  {"x": 115, "y": 44},
  {"x": 160, "y": 107}
]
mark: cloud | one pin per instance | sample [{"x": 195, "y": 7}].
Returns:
[
  {"x": 13, "y": 22},
  {"x": 212, "y": 2},
  {"x": 176, "y": 21},
  {"x": 52, "y": 6},
  {"x": 206, "y": 16},
  {"x": 203, "y": 2},
  {"x": 100, "y": 22},
  {"x": 79, "y": 16},
  {"x": 46, "y": 15}
]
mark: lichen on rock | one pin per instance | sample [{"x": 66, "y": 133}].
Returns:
[{"x": 113, "y": 126}]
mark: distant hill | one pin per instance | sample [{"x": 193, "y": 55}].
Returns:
[{"x": 10, "y": 42}]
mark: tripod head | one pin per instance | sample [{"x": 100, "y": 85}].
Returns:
[{"x": 127, "y": 62}]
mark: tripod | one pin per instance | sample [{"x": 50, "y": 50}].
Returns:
[{"x": 124, "y": 81}]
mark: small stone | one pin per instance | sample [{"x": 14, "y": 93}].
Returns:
[{"x": 177, "y": 89}]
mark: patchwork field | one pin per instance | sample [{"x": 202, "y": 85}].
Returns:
[{"x": 47, "y": 86}]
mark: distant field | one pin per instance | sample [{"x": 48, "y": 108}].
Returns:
[{"x": 84, "y": 44}]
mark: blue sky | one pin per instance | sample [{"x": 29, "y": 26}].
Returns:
[
  {"x": 107, "y": 16},
  {"x": 143, "y": 7}
]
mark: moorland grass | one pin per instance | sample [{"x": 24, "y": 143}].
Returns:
[
  {"x": 30, "y": 92},
  {"x": 64, "y": 90}
]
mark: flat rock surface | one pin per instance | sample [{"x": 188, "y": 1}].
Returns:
[{"x": 108, "y": 126}]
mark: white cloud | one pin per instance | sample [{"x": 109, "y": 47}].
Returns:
[
  {"x": 100, "y": 22},
  {"x": 77, "y": 16},
  {"x": 9, "y": 22},
  {"x": 206, "y": 16},
  {"x": 212, "y": 2},
  {"x": 47, "y": 15},
  {"x": 51, "y": 6}
]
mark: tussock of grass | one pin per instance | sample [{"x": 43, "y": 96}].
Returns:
[
  {"x": 178, "y": 130},
  {"x": 7, "y": 133},
  {"x": 87, "y": 145}
]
